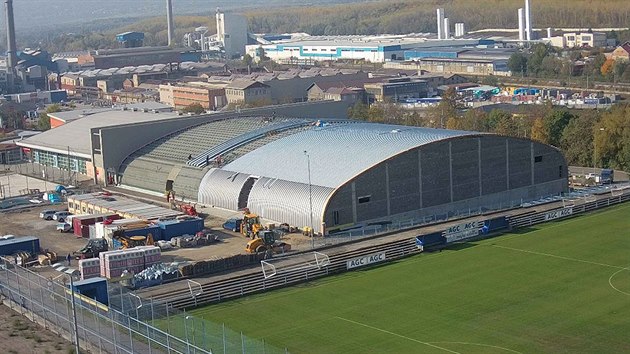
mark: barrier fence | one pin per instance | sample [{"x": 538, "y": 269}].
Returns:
[
  {"x": 131, "y": 324},
  {"x": 128, "y": 326},
  {"x": 255, "y": 282}
]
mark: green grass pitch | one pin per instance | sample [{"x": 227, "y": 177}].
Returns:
[{"x": 561, "y": 287}]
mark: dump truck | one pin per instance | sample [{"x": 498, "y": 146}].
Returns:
[{"x": 265, "y": 241}]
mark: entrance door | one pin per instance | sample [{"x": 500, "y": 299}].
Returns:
[{"x": 243, "y": 196}]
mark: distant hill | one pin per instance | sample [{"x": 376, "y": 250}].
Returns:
[{"x": 345, "y": 17}]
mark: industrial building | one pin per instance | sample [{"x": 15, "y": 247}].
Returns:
[
  {"x": 232, "y": 33},
  {"x": 374, "y": 49},
  {"x": 395, "y": 90},
  {"x": 403, "y": 172}
]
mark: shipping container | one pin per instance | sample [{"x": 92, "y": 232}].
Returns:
[
  {"x": 495, "y": 224},
  {"x": 81, "y": 223},
  {"x": 154, "y": 230},
  {"x": 434, "y": 239},
  {"x": 28, "y": 244},
  {"x": 173, "y": 228},
  {"x": 94, "y": 288}
]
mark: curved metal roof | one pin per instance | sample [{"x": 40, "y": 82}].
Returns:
[{"x": 338, "y": 152}]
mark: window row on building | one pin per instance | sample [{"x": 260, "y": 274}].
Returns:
[{"x": 64, "y": 162}]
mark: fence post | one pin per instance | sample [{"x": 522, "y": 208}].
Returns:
[{"x": 224, "y": 343}]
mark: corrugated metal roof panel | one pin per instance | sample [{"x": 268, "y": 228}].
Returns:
[
  {"x": 338, "y": 152},
  {"x": 221, "y": 188},
  {"x": 288, "y": 202}
]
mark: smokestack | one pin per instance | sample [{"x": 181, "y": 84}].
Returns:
[
  {"x": 440, "y": 23},
  {"x": 528, "y": 21},
  {"x": 447, "y": 29},
  {"x": 11, "y": 46},
  {"x": 521, "y": 25},
  {"x": 170, "y": 22}
]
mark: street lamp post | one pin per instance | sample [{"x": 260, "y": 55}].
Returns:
[{"x": 310, "y": 196}]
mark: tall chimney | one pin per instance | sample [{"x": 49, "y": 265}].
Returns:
[
  {"x": 446, "y": 31},
  {"x": 528, "y": 21},
  {"x": 440, "y": 23},
  {"x": 11, "y": 46},
  {"x": 170, "y": 22},
  {"x": 521, "y": 25}
]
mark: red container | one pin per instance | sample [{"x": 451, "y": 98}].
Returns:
[{"x": 81, "y": 223}]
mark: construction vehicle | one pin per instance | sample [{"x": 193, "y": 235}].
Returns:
[
  {"x": 265, "y": 241},
  {"x": 251, "y": 226},
  {"x": 185, "y": 208},
  {"x": 132, "y": 241},
  {"x": 92, "y": 249}
]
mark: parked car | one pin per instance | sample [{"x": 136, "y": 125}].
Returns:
[
  {"x": 61, "y": 216},
  {"x": 47, "y": 214},
  {"x": 64, "y": 227},
  {"x": 232, "y": 224}
]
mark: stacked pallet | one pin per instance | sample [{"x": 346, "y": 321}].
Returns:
[
  {"x": 90, "y": 268},
  {"x": 133, "y": 260},
  {"x": 152, "y": 255}
]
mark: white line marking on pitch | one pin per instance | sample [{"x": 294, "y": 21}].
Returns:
[
  {"x": 396, "y": 334},
  {"x": 559, "y": 257},
  {"x": 611, "y": 284},
  {"x": 482, "y": 345}
]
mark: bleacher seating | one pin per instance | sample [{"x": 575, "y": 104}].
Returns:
[{"x": 149, "y": 167}]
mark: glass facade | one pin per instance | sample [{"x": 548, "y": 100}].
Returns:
[{"x": 60, "y": 161}]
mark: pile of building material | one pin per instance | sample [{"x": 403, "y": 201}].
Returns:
[
  {"x": 134, "y": 260},
  {"x": 125, "y": 207},
  {"x": 155, "y": 275},
  {"x": 90, "y": 268}
]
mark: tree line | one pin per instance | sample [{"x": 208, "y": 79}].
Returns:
[
  {"x": 394, "y": 17},
  {"x": 544, "y": 61},
  {"x": 586, "y": 137}
]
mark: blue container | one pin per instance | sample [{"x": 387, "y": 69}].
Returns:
[
  {"x": 434, "y": 239},
  {"x": 93, "y": 288},
  {"x": 173, "y": 228},
  {"x": 496, "y": 224},
  {"x": 58, "y": 96},
  {"x": 154, "y": 230},
  {"x": 28, "y": 244}
]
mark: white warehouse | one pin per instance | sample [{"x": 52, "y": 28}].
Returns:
[{"x": 374, "y": 49}]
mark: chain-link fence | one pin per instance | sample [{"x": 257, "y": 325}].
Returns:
[
  {"x": 128, "y": 325},
  {"x": 200, "y": 335}
]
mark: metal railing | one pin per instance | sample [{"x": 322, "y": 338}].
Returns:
[{"x": 100, "y": 328}]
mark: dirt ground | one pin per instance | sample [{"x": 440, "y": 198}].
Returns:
[
  {"x": 18, "y": 335},
  {"x": 26, "y": 222}
]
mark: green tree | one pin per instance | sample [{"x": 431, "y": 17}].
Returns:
[
  {"x": 446, "y": 109},
  {"x": 358, "y": 111},
  {"x": 517, "y": 63},
  {"x": 554, "y": 125},
  {"x": 247, "y": 60},
  {"x": 44, "y": 122},
  {"x": 535, "y": 61},
  {"x": 577, "y": 139},
  {"x": 194, "y": 108},
  {"x": 612, "y": 139}
]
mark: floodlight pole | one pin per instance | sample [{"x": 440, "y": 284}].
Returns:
[{"x": 310, "y": 196}]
